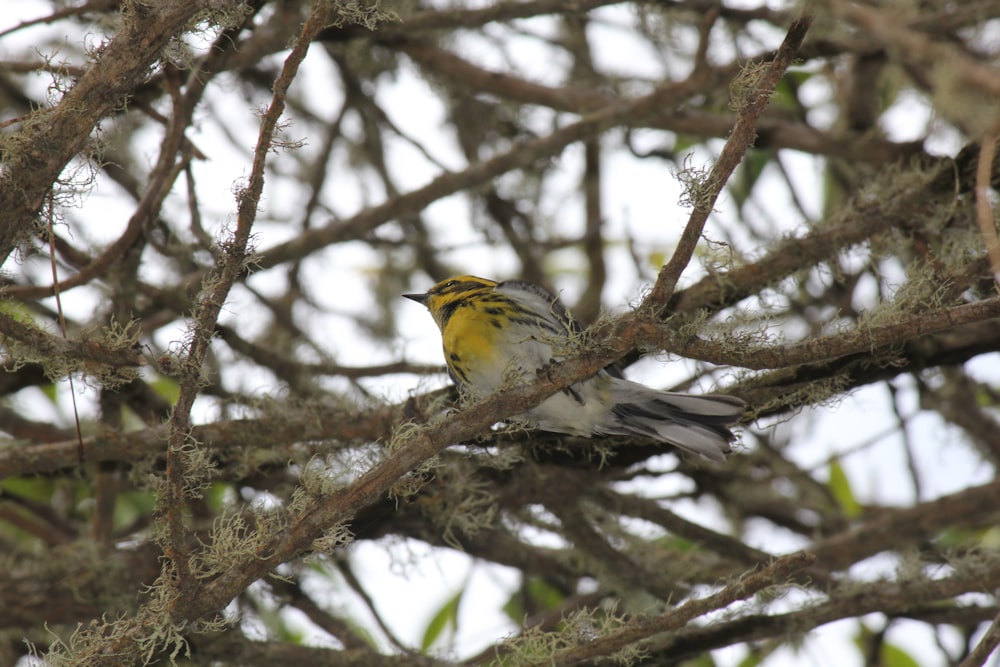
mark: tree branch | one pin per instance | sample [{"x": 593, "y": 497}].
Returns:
[
  {"x": 754, "y": 101},
  {"x": 37, "y": 154}
]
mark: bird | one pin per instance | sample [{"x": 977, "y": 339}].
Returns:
[{"x": 494, "y": 331}]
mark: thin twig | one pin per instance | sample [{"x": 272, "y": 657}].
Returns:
[
  {"x": 62, "y": 321},
  {"x": 522, "y": 153},
  {"x": 63, "y": 131},
  {"x": 742, "y": 137},
  {"x": 985, "y": 648},
  {"x": 209, "y": 304}
]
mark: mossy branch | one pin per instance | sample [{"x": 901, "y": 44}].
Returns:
[
  {"x": 905, "y": 326},
  {"x": 36, "y": 155},
  {"x": 113, "y": 359},
  {"x": 740, "y": 139}
]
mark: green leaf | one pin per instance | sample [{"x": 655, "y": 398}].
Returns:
[
  {"x": 269, "y": 618},
  {"x": 39, "y": 489},
  {"x": 544, "y": 594},
  {"x": 131, "y": 505},
  {"x": 657, "y": 258},
  {"x": 752, "y": 659},
  {"x": 219, "y": 496},
  {"x": 513, "y": 607},
  {"x": 703, "y": 660},
  {"x": 959, "y": 536},
  {"x": 675, "y": 543},
  {"x": 889, "y": 654},
  {"x": 893, "y": 656},
  {"x": 840, "y": 487},
  {"x": 166, "y": 388},
  {"x": 985, "y": 397},
  {"x": 446, "y": 616},
  {"x": 540, "y": 593},
  {"x": 50, "y": 391}
]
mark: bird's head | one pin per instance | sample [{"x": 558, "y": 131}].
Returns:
[{"x": 442, "y": 299}]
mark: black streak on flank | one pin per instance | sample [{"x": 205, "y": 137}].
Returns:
[{"x": 447, "y": 310}]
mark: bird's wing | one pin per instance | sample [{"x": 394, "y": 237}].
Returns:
[
  {"x": 550, "y": 308},
  {"x": 542, "y": 302}
]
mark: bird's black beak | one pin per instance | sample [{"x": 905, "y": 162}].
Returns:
[{"x": 419, "y": 298}]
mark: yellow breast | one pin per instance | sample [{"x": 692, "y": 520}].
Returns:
[{"x": 471, "y": 348}]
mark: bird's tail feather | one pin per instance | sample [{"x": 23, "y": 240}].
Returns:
[{"x": 698, "y": 424}]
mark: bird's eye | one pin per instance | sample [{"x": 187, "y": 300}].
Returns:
[{"x": 450, "y": 283}]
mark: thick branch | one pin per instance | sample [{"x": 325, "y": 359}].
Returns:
[
  {"x": 639, "y": 629},
  {"x": 862, "y": 339},
  {"x": 69, "y": 353}
]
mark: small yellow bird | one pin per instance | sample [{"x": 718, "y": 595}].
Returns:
[{"x": 493, "y": 331}]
